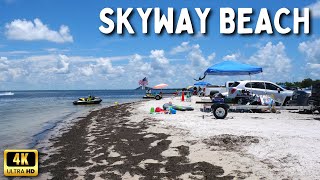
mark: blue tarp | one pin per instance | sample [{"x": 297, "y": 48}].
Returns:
[
  {"x": 232, "y": 68},
  {"x": 202, "y": 83}
]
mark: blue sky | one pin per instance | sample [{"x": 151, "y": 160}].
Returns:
[{"x": 46, "y": 44}]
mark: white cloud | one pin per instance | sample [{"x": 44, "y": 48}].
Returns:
[
  {"x": 233, "y": 56},
  {"x": 181, "y": 48},
  {"x": 199, "y": 35},
  {"x": 315, "y": 9},
  {"x": 104, "y": 66},
  {"x": 160, "y": 61},
  {"x": 59, "y": 71},
  {"x": 273, "y": 60},
  {"x": 3, "y": 63},
  {"x": 3, "y": 58},
  {"x": 141, "y": 68},
  {"x": 137, "y": 69},
  {"x": 211, "y": 56},
  {"x": 313, "y": 69},
  {"x": 314, "y": 66},
  {"x": 17, "y": 72},
  {"x": 36, "y": 30},
  {"x": 8, "y": 53},
  {"x": 86, "y": 71},
  {"x": 196, "y": 57},
  {"x": 9, "y": 73},
  {"x": 62, "y": 65},
  {"x": 55, "y": 50},
  {"x": 311, "y": 50}
]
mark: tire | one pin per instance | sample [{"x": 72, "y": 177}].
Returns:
[
  {"x": 158, "y": 97},
  {"x": 220, "y": 111},
  {"x": 306, "y": 112}
]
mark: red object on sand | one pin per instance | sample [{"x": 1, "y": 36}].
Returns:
[
  {"x": 158, "y": 109},
  {"x": 182, "y": 97}
]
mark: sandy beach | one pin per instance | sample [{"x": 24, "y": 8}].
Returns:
[{"x": 127, "y": 142}]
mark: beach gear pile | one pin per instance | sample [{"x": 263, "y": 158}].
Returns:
[
  {"x": 169, "y": 108},
  {"x": 266, "y": 100},
  {"x": 177, "y": 107},
  {"x": 159, "y": 110}
]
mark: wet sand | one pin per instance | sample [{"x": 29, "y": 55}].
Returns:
[{"x": 107, "y": 145}]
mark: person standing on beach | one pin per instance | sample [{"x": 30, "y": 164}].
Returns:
[{"x": 89, "y": 98}]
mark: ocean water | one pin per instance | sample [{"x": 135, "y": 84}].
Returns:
[{"x": 27, "y": 116}]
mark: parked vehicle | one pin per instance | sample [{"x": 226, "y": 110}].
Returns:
[
  {"x": 300, "y": 98},
  {"x": 314, "y": 99},
  {"x": 215, "y": 88},
  {"x": 280, "y": 95}
]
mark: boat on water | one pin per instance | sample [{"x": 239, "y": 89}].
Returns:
[
  {"x": 152, "y": 96},
  {"x": 87, "y": 101},
  {"x": 6, "y": 93}
]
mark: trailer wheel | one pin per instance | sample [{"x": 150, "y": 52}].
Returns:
[
  {"x": 220, "y": 111},
  {"x": 305, "y": 111},
  {"x": 158, "y": 97}
]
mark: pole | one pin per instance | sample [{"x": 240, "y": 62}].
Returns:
[
  {"x": 250, "y": 83},
  {"x": 265, "y": 87}
]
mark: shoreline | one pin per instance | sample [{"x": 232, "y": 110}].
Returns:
[
  {"x": 64, "y": 124},
  {"x": 126, "y": 142}
]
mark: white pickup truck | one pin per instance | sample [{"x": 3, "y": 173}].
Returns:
[{"x": 220, "y": 89}]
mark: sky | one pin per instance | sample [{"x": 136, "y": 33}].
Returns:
[{"x": 57, "y": 45}]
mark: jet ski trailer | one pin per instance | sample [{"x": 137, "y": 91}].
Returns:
[{"x": 220, "y": 110}]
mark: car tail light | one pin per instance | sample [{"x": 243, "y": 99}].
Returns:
[{"x": 233, "y": 90}]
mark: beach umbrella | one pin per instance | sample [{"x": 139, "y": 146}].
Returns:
[
  {"x": 202, "y": 83},
  {"x": 160, "y": 86},
  {"x": 189, "y": 87}
]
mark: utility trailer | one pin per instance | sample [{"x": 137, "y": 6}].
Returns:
[{"x": 220, "y": 109}]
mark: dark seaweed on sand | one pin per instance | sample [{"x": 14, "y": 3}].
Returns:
[{"x": 111, "y": 128}]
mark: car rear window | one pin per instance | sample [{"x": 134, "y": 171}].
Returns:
[{"x": 235, "y": 84}]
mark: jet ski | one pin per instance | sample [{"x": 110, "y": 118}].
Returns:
[{"x": 89, "y": 100}]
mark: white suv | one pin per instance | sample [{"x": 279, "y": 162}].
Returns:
[{"x": 280, "y": 94}]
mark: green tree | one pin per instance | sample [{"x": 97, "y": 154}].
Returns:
[
  {"x": 306, "y": 83},
  {"x": 289, "y": 84}
]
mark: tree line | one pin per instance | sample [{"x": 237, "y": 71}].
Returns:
[{"x": 301, "y": 84}]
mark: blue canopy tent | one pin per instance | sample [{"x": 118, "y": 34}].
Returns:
[
  {"x": 232, "y": 68},
  {"x": 202, "y": 83},
  {"x": 227, "y": 68}
]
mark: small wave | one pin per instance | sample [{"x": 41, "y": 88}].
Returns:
[{"x": 6, "y": 93}]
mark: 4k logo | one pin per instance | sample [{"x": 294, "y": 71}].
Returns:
[{"x": 23, "y": 162}]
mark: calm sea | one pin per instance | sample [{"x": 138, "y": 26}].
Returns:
[{"x": 27, "y": 116}]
